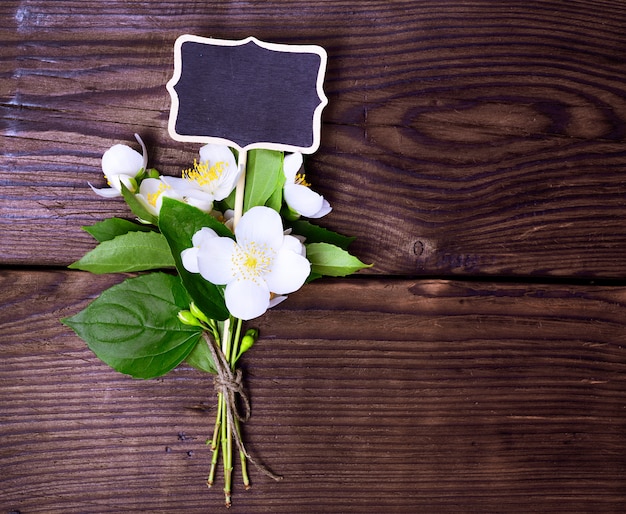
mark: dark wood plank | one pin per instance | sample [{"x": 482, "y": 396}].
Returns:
[
  {"x": 368, "y": 396},
  {"x": 474, "y": 138}
]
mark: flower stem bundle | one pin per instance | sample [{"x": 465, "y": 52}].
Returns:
[{"x": 212, "y": 250}]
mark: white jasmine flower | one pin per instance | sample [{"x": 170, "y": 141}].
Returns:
[
  {"x": 121, "y": 165},
  {"x": 262, "y": 264},
  {"x": 213, "y": 178},
  {"x": 151, "y": 194},
  {"x": 298, "y": 196}
]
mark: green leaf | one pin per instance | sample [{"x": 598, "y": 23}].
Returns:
[
  {"x": 312, "y": 277},
  {"x": 113, "y": 227},
  {"x": 201, "y": 357},
  {"x": 276, "y": 200},
  {"x": 136, "y": 206},
  {"x": 178, "y": 222},
  {"x": 134, "y": 328},
  {"x": 226, "y": 203},
  {"x": 133, "y": 251},
  {"x": 330, "y": 260},
  {"x": 150, "y": 367},
  {"x": 264, "y": 175},
  {"x": 315, "y": 234}
]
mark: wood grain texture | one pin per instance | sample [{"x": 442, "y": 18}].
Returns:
[
  {"x": 444, "y": 397},
  {"x": 470, "y": 138}
]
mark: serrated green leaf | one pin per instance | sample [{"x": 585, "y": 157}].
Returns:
[
  {"x": 113, "y": 227},
  {"x": 137, "y": 208},
  {"x": 134, "y": 328},
  {"x": 201, "y": 357},
  {"x": 179, "y": 222},
  {"x": 133, "y": 251},
  {"x": 315, "y": 234},
  {"x": 153, "y": 366},
  {"x": 263, "y": 176},
  {"x": 330, "y": 260}
]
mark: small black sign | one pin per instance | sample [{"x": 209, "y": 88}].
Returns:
[{"x": 247, "y": 94}]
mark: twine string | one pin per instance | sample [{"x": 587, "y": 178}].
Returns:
[{"x": 230, "y": 384}]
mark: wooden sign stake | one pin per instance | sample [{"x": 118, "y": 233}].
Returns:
[{"x": 241, "y": 186}]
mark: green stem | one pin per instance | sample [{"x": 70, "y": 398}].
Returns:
[
  {"x": 233, "y": 359},
  {"x": 227, "y": 451},
  {"x": 226, "y": 456},
  {"x": 228, "y": 341},
  {"x": 236, "y": 340},
  {"x": 215, "y": 440},
  {"x": 242, "y": 459}
]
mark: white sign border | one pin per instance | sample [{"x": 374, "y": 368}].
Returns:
[{"x": 317, "y": 114}]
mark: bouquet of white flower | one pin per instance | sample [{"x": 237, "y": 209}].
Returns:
[{"x": 217, "y": 255}]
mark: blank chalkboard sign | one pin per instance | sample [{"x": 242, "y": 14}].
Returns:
[{"x": 247, "y": 94}]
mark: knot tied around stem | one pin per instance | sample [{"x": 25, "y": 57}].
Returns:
[{"x": 229, "y": 384}]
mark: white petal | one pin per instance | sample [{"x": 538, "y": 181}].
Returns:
[
  {"x": 200, "y": 199},
  {"x": 202, "y": 236},
  {"x": 215, "y": 260},
  {"x": 121, "y": 159},
  {"x": 190, "y": 259},
  {"x": 227, "y": 186},
  {"x": 303, "y": 200},
  {"x": 274, "y": 301},
  {"x": 289, "y": 272},
  {"x": 294, "y": 244},
  {"x": 326, "y": 208},
  {"x": 261, "y": 225},
  {"x": 180, "y": 185},
  {"x": 198, "y": 204},
  {"x": 106, "y": 192},
  {"x": 217, "y": 153},
  {"x": 228, "y": 181},
  {"x": 144, "y": 152},
  {"x": 168, "y": 193},
  {"x": 152, "y": 209},
  {"x": 227, "y": 218},
  {"x": 150, "y": 194},
  {"x": 115, "y": 182},
  {"x": 151, "y": 186},
  {"x": 247, "y": 299},
  {"x": 291, "y": 166}
]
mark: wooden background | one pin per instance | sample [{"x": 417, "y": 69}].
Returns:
[{"x": 476, "y": 149}]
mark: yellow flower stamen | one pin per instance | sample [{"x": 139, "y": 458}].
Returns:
[
  {"x": 301, "y": 180},
  {"x": 153, "y": 197},
  {"x": 203, "y": 174},
  {"x": 252, "y": 261}
]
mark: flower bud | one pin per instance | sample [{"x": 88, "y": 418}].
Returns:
[
  {"x": 198, "y": 313},
  {"x": 248, "y": 340},
  {"x": 153, "y": 173},
  {"x": 188, "y": 318}
]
